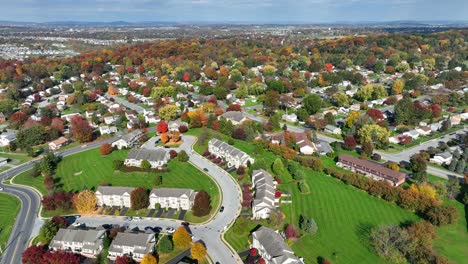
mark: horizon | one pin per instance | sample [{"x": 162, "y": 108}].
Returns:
[{"x": 234, "y": 11}]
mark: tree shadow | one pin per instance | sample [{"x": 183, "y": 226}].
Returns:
[{"x": 363, "y": 231}]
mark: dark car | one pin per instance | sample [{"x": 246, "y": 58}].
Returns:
[
  {"x": 205, "y": 169},
  {"x": 221, "y": 209},
  {"x": 186, "y": 224},
  {"x": 149, "y": 228},
  {"x": 157, "y": 229}
]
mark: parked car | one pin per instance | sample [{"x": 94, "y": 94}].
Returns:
[
  {"x": 128, "y": 218},
  {"x": 76, "y": 224},
  {"x": 170, "y": 230},
  {"x": 1, "y": 188},
  {"x": 221, "y": 209},
  {"x": 205, "y": 169},
  {"x": 185, "y": 224}
]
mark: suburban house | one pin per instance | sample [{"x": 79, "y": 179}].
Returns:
[
  {"x": 105, "y": 130},
  {"x": 443, "y": 158},
  {"x": 6, "y": 138},
  {"x": 174, "y": 125},
  {"x": 172, "y": 198},
  {"x": 414, "y": 134},
  {"x": 58, "y": 143},
  {"x": 233, "y": 156},
  {"x": 371, "y": 169},
  {"x": 128, "y": 140},
  {"x": 332, "y": 129},
  {"x": 289, "y": 118},
  {"x": 134, "y": 245},
  {"x": 88, "y": 243},
  {"x": 114, "y": 196},
  {"x": 271, "y": 246},
  {"x": 424, "y": 130},
  {"x": 157, "y": 158},
  {"x": 235, "y": 117},
  {"x": 264, "y": 201},
  {"x": 110, "y": 119},
  {"x": 306, "y": 146}
]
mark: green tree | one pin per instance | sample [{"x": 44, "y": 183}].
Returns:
[
  {"x": 278, "y": 166},
  {"x": 242, "y": 92},
  {"x": 453, "y": 187},
  {"x": 168, "y": 112},
  {"x": 182, "y": 156},
  {"x": 375, "y": 134},
  {"x": 271, "y": 102},
  {"x": 340, "y": 99},
  {"x": 7, "y": 106},
  {"x": 165, "y": 245},
  {"x": 405, "y": 111},
  {"x": 308, "y": 224},
  {"x": 312, "y": 103},
  {"x": 48, "y": 231},
  {"x": 220, "y": 92},
  {"x": 417, "y": 163},
  {"x": 365, "y": 93}
]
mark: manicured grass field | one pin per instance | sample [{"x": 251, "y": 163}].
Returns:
[
  {"x": 89, "y": 169},
  {"x": 9, "y": 207}
]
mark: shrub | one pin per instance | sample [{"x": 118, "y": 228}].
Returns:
[
  {"x": 183, "y": 129},
  {"x": 145, "y": 164},
  {"x": 105, "y": 149},
  {"x": 172, "y": 154},
  {"x": 240, "y": 170},
  {"x": 376, "y": 157},
  {"x": 182, "y": 156}
]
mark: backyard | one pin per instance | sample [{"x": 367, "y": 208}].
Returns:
[{"x": 9, "y": 207}]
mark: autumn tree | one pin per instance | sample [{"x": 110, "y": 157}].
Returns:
[
  {"x": 85, "y": 202},
  {"x": 182, "y": 156},
  {"x": 168, "y": 112},
  {"x": 202, "y": 204},
  {"x": 175, "y": 136},
  {"x": 367, "y": 148},
  {"x": 59, "y": 257},
  {"x": 181, "y": 237},
  {"x": 149, "y": 258},
  {"x": 164, "y": 138},
  {"x": 162, "y": 127},
  {"x": 33, "y": 254},
  {"x": 105, "y": 149},
  {"x": 352, "y": 116},
  {"x": 375, "y": 114},
  {"x": 397, "y": 86},
  {"x": 340, "y": 99},
  {"x": 57, "y": 123},
  {"x": 198, "y": 251},
  {"x": 18, "y": 119},
  {"x": 291, "y": 232},
  {"x": 350, "y": 143},
  {"x": 81, "y": 131},
  {"x": 234, "y": 107},
  {"x": 124, "y": 260},
  {"x": 139, "y": 199},
  {"x": 375, "y": 134},
  {"x": 271, "y": 102}
]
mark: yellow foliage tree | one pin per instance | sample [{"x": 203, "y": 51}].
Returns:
[
  {"x": 393, "y": 166},
  {"x": 164, "y": 138},
  {"x": 85, "y": 202},
  {"x": 149, "y": 259},
  {"x": 351, "y": 118},
  {"x": 208, "y": 107},
  {"x": 181, "y": 237},
  {"x": 198, "y": 251},
  {"x": 424, "y": 189},
  {"x": 397, "y": 86},
  {"x": 175, "y": 136}
]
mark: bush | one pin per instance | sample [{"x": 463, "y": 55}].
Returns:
[
  {"x": 165, "y": 245},
  {"x": 145, "y": 164},
  {"x": 105, "y": 149},
  {"x": 376, "y": 157},
  {"x": 172, "y": 154},
  {"x": 183, "y": 129},
  {"x": 182, "y": 156},
  {"x": 240, "y": 170}
]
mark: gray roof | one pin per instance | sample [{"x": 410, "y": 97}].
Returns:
[
  {"x": 232, "y": 151},
  {"x": 143, "y": 242},
  {"x": 264, "y": 188},
  {"x": 275, "y": 246},
  {"x": 78, "y": 235},
  {"x": 173, "y": 192},
  {"x": 147, "y": 154},
  {"x": 445, "y": 155},
  {"x": 330, "y": 127},
  {"x": 233, "y": 115},
  {"x": 114, "y": 190},
  {"x": 133, "y": 136},
  {"x": 9, "y": 135}
]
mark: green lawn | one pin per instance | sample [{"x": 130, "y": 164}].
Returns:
[
  {"x": 9, "y": 207},
  {"x": 16, "y": 158},
  {"x": 89, "y": 168}
]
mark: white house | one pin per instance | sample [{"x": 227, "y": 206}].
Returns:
[
  {"x": 235, "y": 117},
  {"x": 157, "y": 158},
  {"x": 128, "y": 140},
  {"x": 290, "y": 118},
  {"x": 264, "y": 201},
  {"x": 58, "y": 143},
  {"x": 233, "y": 156},
  {"x": 114, "y": 196},
  {"x": 6, "y": 138},
  {"x": 424, "y": 130},
  {"x": 332, "y": 129},
  {"x": 414, "y": 134},
  {"x": 88, "y": 243},
  {"x": 272, "y": 248},
  {"x": 110, "y": 119},
  {"x": 134, "y": 245},
  {"x": 174, "y": 125},
  {"x": 172, "y": 198},
  {"x": 443, "y": 158},
  {"x": 106, "y": 130}
]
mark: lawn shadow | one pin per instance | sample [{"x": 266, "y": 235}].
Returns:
[{"x": 363, "y": 231}]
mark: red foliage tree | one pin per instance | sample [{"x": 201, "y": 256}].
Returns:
[
  {"x": 172, "y": 154},
  {"x": 234, "y": 107},
  {"x": 436, "y": 110},
  {"x": 215, "y": 125},
  {"x": 278, "y": 194},
  {"x": 261, "y": 261},
  {"x": 56, "y": 200},
  {"x": 253, "y": 252},
  {"x": 33, "y": 255},
  {"x": 57, "y": 123},
  {"x": 240, "y": 170},
  {"x": 329, "y": 67},
  {"x": 375, "y": 114},
  {"x": 239, "y": 134},
  {"x": 61, "y": 257},
  {"x": 49, "y": 182},
  {"x": 405, "y": 140},
  {"x": 183, "y": 128},
  {"x": 350, "y": 143},
  {"x": 213, "y": 100},
  {"x": 81, "y": 130},
  {"x": 123, "y": 260},
  {"x": 291, "y": 232},
  {"x": 60, "y": 221},
  {"x": 186, "y": 77},
  {"x": 18, "y": 119},
  {"x": 162, "y": 127},
  {"x": 105, "y": 149},
  {"x": 202, "y": 204}
]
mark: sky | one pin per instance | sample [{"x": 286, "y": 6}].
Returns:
[{"x": 242, "y": 11}]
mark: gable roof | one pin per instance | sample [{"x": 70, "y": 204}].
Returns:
[
  {"x": 158, "y": 154},
  {"x": 264, "y": 188},
  {"x": 60, "y": 141},
  {"x": 114, "y": 190},
  {"x": 78, "y": 235},
  {"x": 234, "y": 116},
  {"x": 173, "y": 192},
  {"x": 275, "y": 246},
  {"x": 142, "y": 242}
]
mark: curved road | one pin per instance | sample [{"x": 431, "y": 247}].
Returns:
[{"x": 210, "y": 233}]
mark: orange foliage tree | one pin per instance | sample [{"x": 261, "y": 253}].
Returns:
[
  {"x": 164, "y": 138},
  {"x": 181, "y": 237},
  {"x": 198, "y": 251},
  {"x": 175, "y": 136},
  {"x": 85, "y": 202}
]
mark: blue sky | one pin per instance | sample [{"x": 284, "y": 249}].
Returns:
[{"x": 255, "y": 11}]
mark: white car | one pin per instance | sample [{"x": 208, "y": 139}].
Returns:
[
  {"x": 1, "y": 188},
  {"x": 76, "y": 224},
  {"x": 137, "y": 218},
  {"x": 170, "y": 230}
]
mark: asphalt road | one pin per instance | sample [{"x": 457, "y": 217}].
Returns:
[
  {"x": 126, "y": 103},
  {"x": 30, "y": 204}
]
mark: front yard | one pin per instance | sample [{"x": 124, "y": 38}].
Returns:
[{"x": 9, "y": 207}]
